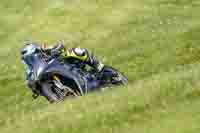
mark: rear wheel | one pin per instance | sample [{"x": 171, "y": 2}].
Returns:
[
  {"x": 114, "y": 77},
  {"x": 120, "y": 79}
]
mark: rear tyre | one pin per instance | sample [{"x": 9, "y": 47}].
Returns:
[
  {"x": 120, "y": 79},
  {"x": 114, "y": 76}
]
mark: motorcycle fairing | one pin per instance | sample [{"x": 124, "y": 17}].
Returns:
[
  {"x": 54, "y": 66},
  {"x": 40, "y": 67}
]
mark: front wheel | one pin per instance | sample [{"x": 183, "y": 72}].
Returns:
[
  {"x": 55, "y": 93},
  {"x": 48, "y": 93}
]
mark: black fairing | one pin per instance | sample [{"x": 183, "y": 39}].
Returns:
[
  {"x": 42, "y": 68},
  {"x": 68, "y": 72}
]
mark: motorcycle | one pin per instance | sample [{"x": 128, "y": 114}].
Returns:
[{"x": 57, "y": 80}]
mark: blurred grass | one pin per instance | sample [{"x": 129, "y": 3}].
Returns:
[{"x": 154, "y": 42}]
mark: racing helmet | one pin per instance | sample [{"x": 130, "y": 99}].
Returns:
[{"x": 30, "y": 48}]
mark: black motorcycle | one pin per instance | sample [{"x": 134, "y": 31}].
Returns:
[{"x": 57, "y": 80}]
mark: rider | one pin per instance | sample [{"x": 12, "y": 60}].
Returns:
[{"x": 76, "y": 56}]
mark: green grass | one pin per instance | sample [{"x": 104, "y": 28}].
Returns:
[{"x": 154, "y": 42}]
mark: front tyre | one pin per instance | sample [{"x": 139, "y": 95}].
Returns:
[{"x": 48, "y": 93}]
